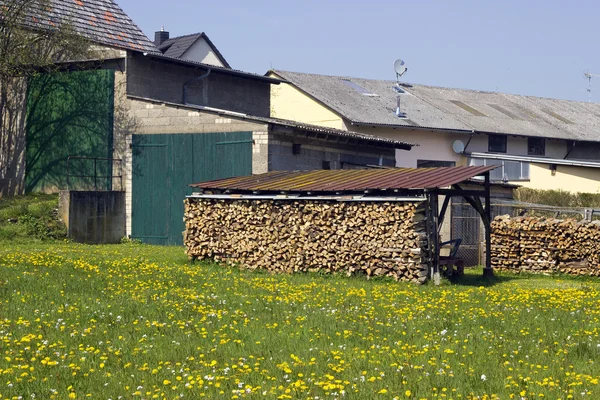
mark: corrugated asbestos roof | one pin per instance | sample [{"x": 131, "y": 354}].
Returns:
[
  {"x": 451, "y": 109},
  {"x": 100, "y": 21},
  {"x": 352, "y": 136},
  {"x": 347, "y": 180},
  {"x": 177, "y": 46}
]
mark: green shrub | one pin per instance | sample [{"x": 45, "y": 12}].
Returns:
[
  {"x": 31, "y": 217},
  {"x": 558, "y": 198}
]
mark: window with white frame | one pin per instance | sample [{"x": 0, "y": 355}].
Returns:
[{"x": 506, "y": 171}]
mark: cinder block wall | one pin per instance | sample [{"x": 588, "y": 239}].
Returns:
[
  {"x": 164, "y": 81},
  {"x": 154, "y": 118}
]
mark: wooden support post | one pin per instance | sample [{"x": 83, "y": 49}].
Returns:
[
  {"x": 428, "y": 227},
  {"x": 488, "y": 271},
  {"x": 435, "y": 238},
  {"x": 443, "y": 212}
]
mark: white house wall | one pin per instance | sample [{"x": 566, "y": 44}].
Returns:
[{"x": 202, "y": 52}]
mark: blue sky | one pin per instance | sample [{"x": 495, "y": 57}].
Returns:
[{"x": 530, "y": 47}]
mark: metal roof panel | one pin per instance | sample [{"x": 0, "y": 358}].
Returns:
[{"x": 356, "y": 180}]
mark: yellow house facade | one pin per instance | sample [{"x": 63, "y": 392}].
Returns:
[{"x": 537, "y": 143}]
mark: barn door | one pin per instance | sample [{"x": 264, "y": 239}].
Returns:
[
  {"x": 150, "y": 205},
  {"x": 163, "y": 168}
]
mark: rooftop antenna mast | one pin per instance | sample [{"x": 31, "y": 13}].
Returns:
[
  {"x": 589, "y": 77},
  {"x": 400, "y": 68}
]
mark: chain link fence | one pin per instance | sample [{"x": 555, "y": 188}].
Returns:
[{"x": 468, "y": 226}]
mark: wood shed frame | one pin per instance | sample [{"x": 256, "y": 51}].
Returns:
[
  {"x": 473, "y": 197},
  {"x": 394, "y": 184}
]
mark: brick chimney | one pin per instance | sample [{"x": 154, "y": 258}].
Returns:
[{"x": 160, "y": 36}]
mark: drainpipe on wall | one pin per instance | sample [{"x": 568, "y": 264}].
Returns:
[{"x": 192, "y": 80}]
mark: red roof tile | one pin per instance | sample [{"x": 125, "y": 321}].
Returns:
[{"x": 100, "y": 21}]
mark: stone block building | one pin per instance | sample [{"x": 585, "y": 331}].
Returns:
[{"x": 139, "y": 121}]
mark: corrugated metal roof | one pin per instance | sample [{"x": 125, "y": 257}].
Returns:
[
  {"x": 451, "y": 109},
  {"x": 347, "y": 180}
]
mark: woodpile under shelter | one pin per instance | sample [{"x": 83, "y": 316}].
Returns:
[{"x": 381, "y": 222}]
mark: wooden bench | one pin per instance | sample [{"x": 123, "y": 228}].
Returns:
[{"x": 450, "y": 265}]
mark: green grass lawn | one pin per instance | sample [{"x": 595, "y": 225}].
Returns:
[{"x": 140, "y": 321}]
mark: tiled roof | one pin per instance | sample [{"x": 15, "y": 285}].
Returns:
[
  {"x": 177, "y": 46},
  {"x": 100, "y": 21},
  {"x": 343, "y": 180},
  {"x": 450, "y": 109}
]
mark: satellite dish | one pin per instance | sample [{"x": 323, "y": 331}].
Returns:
[
  {"x": 458, "y": 146},
  {"x": 399, "y": 67}
]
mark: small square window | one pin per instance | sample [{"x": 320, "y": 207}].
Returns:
[
  {"x": 296, "y": 147},
  {"x": 536, "y": 146},
  {"x": 497, "y": 143},
  {"x": 326, "y": 165}
]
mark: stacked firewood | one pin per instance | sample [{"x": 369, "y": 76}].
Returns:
[
  {"x": 374, "y": 238},
  {"x": 546, "y": 245}
]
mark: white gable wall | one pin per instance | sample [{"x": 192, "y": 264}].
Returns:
[{"x": 202, "y": 52}]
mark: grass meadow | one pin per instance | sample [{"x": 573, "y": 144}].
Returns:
[{"x": 136, "y": 321}]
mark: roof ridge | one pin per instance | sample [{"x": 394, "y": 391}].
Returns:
[
  {"x": 185, "y": 36},
  {"x": 409, "y": 84}
]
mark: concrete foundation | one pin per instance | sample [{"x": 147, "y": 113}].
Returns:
[{"x": 93, "y": 217}]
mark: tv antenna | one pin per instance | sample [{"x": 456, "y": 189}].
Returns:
[
  {"x": 589, "y": 77},
  {"x": 400, "y": 68}
]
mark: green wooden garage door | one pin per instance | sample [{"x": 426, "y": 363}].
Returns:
[{"x": 164, "y": 166}]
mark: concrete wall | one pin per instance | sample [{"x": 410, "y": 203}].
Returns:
[
  {"x": 163, "y": 80},
  {"x": 93, "y": 217},
  {"x": 287, "y": 102},
  {"x": 202, "y": 52}
]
